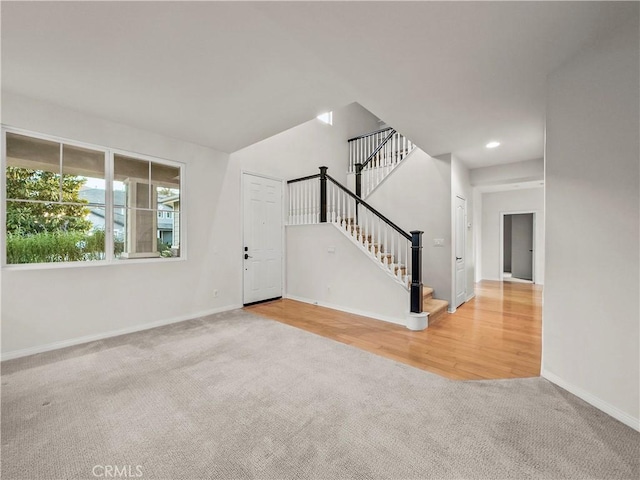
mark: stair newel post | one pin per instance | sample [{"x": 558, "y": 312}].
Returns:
[
  {"x": 323, "y": 194},
  {"x": 359, "y": 180},
  {"x": 416, "y": 271}
]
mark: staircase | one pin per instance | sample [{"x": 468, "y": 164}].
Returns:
[
  {"x": 320, "y": 198},
  {"x": 437, "y": 309}
]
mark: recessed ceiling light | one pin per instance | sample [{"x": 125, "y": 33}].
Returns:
[{"x": 492, "y": 144}]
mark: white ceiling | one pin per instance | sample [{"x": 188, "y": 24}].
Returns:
[{"x": 451, "y": 76}]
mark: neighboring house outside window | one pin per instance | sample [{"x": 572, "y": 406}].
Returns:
[{"x": 57, "y": 208}]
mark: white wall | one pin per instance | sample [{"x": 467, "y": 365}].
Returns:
[
  {"x": 345, "y": 278},
  {"x": 417, "y": 196},
  {"x": 126, "y": 297},
  {"x": 591, "y": 309},
  {"x": 461, "y": 187},
  {"x": 517, "y": 172},
  {"x": 299, "y": 151},
  {"x": 52, "y": 307},
  {"x": 513, "y": 201}
]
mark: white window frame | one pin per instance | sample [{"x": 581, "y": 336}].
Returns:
[{"x": 109, "y": 165}]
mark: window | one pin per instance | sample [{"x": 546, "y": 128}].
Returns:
[
  {"x": 326, "y": 118},
  {"x": 71, "y": 203},
  {"x": 140, "y": 189}
]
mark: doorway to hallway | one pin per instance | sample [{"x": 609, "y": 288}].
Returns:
[{"x": 518, "y": 252}]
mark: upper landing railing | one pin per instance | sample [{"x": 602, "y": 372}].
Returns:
[{"x": 374, "y": 155}]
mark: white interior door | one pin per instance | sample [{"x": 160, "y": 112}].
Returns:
[
  {"x": 522, "y": 246},
  {"x": 460, "y": 242},
  {"x": 262, "y": 249}
]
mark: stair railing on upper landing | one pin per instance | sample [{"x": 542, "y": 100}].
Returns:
[
  {"x": 320, "y": 198},
  {"x": 374, "y": 155}
]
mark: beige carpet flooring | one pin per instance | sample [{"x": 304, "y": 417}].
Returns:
[{"x": 239, "y": 396}]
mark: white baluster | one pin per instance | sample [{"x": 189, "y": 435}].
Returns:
[
  {"x": 400, "y": 244},
  {"x": 396, "y": 148},
  {"x": 296, "y": 190},
  {"x": 386, "y": 243},
  {"x": 301, "y": 205},
  {"x": 351, "y": 156},
  {"x": 379, "y": 238},
  {"x": 308, "y": 209},
  {"x": 294, "y": 193},
  {"x": 338, "y": 210},
  {"x": 312, "y": 203},
  {"x": 392, "y": 234},
  {"x": 314, "y": 195},
  {"x": 329, "y": 203},
  {"x": 406, "y": 261},
  {"x": 303, "y": 209},
  {"x": 303, "y": 199},
  {"x": 366, "y": 228},
  {"x": 290, "y": 203},
  {"x": 386, "y": 153}
]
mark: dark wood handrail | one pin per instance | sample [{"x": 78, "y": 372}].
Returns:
[
  {"x": 370, "y": 208},
  {"x": 378, "y": 148},
  {"x": 369, "y": 134},
  {"x": 302, "y": 179}
]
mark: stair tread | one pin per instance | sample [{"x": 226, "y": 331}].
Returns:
[
  {"x": 437, "y": 309},
  {"x": 426, "y": 291},
  {"x": 433, "y": 305}
]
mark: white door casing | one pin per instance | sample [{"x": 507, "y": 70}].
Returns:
[
  {"x": 459, "y": 251},
  {"x": 262, "y": 238}
]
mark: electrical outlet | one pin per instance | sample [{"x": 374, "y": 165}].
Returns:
[{"x": 438, "y": 242}]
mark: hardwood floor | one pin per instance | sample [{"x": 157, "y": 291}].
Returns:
[{"x": 495, "y": 335}]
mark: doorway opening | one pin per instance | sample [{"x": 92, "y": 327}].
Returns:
[{"x": 518, "y": 253}]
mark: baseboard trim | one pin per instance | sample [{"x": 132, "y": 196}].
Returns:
[
  {"x": 341, "y": 308},
  {"x": 600, "y": 404},
  {"x": 473, "y": 295},
  {"x": 112, "y": 333}
]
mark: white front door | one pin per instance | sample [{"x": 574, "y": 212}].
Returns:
[
  {"x": 262, "y": 239},
  {"x": 460, "y": 242}
]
